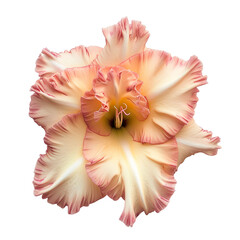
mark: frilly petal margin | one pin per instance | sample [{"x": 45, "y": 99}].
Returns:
[
  {"x": 60, "y": 94},
  {"x": 122, "y": 41},
  {"x": 93, "y": 113},
  {"x": 60, "y": 174},
  {"x": 193, "y": 139},
  {"x": 170, "y": 85},
  {"x": 49, "y": 62},
  {"x": 142, "y": 174}
]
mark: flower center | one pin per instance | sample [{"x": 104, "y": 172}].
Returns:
[{"x": 118, "y": 120}]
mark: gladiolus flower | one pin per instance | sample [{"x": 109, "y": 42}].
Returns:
[{"x": 118, "y": 122}]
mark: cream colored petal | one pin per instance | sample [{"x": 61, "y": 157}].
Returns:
[
  {"x": 60, "y": 174},
  {"x": 170, "y": 85},
  {"x": 140, "y": 173},
  {"x": 60, "y": 94},
  {"x": 193, "y": 139},
  {"x": 122, "y": 41},
  {"x": 49, "y": 62}
]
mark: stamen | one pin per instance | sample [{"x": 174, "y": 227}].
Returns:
[
  {"x": 118, "y": 120},
  {"x": 119, "y": 115},
  {"x": 125, "y": 109}
]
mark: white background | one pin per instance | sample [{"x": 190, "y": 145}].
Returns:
[{"x": 206, "y": 202}]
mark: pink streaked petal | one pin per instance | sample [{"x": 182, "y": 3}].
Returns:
[
  {"x": 142, "y": 174},
  {"x": 60, "y": 174},
  {"x": 170, "y": 85},
  {"x": 60, "y": 94},
  {"x": 49, "y": 62},
  {"x": 193, "y": 139},
  {"x": 93, "y": 113},
  {"x": 122, "y": 41}
]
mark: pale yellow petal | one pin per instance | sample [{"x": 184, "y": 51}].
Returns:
[
  {"x": 193, "y": 139},
  {"x": 60, "y": 174},
  {"x": 123, "y": 40},
  {"x": 140, "y": 173},
  {"x": 170, "y": 85},
  {"x": 60, "y": 95},
  {"x": 48, "y": 63}
]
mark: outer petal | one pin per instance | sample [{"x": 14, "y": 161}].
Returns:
[
  {"x": 122, "y": 41},
  {"x": 170, "y": 85},
  {"x": 60, "y": 95},
  {"x": 60, "y": 174},
  {"x": 140, "y": 173},
  {"x": 49, "y": 63},
  {"x": 193, "y": 139}
]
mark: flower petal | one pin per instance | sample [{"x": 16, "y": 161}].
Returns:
[
  {"x": 49, "y": 62},
  {"x": 60, "y": 94},
  {"x": 170, "y": 85},
  {"x": 60, "y": 174},
  {"x": 193, "y": 139},
  {"x": 112, "y": 88},
  {"x": 90, "y": 106},
  {"x": 140, "y": 173},
  {"x": 122, "y": 41}
]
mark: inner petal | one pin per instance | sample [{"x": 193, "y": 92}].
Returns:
[{"x": 114, "y": 101}]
